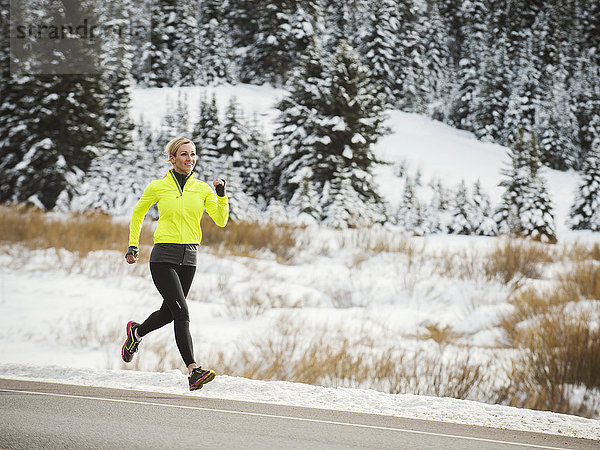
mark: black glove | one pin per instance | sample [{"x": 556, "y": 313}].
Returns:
[
  {"x": 132, "y": 251},
  {"x": 220, "y": 188}
]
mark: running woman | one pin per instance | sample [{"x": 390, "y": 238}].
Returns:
[{"x": 181, "y": 201}]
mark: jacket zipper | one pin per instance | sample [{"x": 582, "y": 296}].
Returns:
[{"x": 180, "y": 215}]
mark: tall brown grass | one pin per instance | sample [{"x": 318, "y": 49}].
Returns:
[
  {"x": 249, "y": 238},
  {"x": 558, "y": 339},
  {"x": 81, "y": 233},
  {"x": 92, "y": 231},
  {"x": 515, "y": 260},
  {"x": 330, "y": 359}
]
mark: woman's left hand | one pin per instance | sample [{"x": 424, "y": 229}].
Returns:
[{"x": 219, "y": 185}]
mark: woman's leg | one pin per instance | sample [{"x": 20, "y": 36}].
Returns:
[{"x": 173, "y": 282}]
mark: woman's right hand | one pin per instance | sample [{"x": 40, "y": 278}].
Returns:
[{"x": 132, "y": 255}]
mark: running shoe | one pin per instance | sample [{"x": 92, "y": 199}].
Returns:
[
  {"x": 199, "y": 377},
  {"x": 131, "y": 343}
]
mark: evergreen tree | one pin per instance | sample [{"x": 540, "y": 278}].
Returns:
[
  {"x": 461, "y": 110},
  {"x": 524, "y": 101},
  {"x": 525, "y": 208},
  {"x": 234, "y": 136},
  {"x": 475, "y": 34},
  {"x": 411, "y": 71},
  {"x": 174, "y": 49},
  {"x": 176, "y": 119},
  {"x": 411, "y": 215},
  {"x": 555, "y": 124},
  {"x": 215, "y": 45},
  {"x": 585, "y": 212},
  {"x": 490, "y": 97},
  {"x": 585, "y": 100},
  {"x": 481, "y": 215},
  {"x": 461, "y": 211},
  {"x": 233, "y": 145},
  {"x": 355, "y": 124},
  {"x": 344, "y": 21},
  {"x": 206, "y": 134},
  {"x": 378, "y": 48},
  {"x": 254, "y": 165},
  {"x": 284, "y": 29},
  {"x": 114, "y": 182},
  {"x": 439, "y": 64},
  {"x": 326, "y": 129},
  {"x": 301, "y": 136},
  {"x": 51, "y": 123}
]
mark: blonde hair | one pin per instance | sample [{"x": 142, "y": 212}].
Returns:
[{"x": 174, "y": 144}]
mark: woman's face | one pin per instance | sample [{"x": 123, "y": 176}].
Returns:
[{"x": 185, "y": 160}]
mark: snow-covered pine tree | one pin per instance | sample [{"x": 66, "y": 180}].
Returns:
[
  {"x": 343, "y": 20},
  {"x": 205, "y": 134},
  {"x": 300, "y": 138},
  {"x": 555, "y": 125},
  {"x": 411, "y": 70},
  {"x": 284, "y": 29},
  {"x": 411, "y": 215},
  {"x": 515, "y": 182},
  {"x": 490, "y": 97},
  {"x": 174, "y": 50},
  {"x": 524, "y": 101},
  {"x": 585, "y": 99},
  {"x": 378, "y": 46},
  {"x": 525, "y": 209},
  {"x": 450, "y": 12},
  {"x": 176, "y": 119},
  {"x": 114, "y": 182},
  {"x": 481, "y": 215},
  {"x": 355, "y": 123},
  {"x": 438, "y": 211},
  {"x": 474, "y": 30},
  {"x": 585, "y": 212},
  {"x": 438, "y": 60},
  {"x": 217, "y": 61},
  {"x": 51, "y": 123},
  {"x": 234, "y": 136},
  {"x": 460, "y": 108},
  {"x": 461, "y": 212},
  {"x": 255, "y": 173},
  {"x": 234, "y": 141}
]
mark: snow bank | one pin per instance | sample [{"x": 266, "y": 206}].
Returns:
[{"x": 296, "y": 394}]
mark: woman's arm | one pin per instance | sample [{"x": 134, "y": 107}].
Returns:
[
  {"x": 140, "y": 209},
  {"x": 217, "y": 206}
]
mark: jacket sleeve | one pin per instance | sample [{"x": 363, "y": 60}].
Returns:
[
  {"x": 217, "y": 208},
  {"x": 140, "y": 209}
]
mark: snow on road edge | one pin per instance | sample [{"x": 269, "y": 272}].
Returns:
[{"x": 296, "y": 394}]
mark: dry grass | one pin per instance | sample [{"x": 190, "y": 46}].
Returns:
[
  {"x": 86, "y": 232},
  {"x": 515, "y": 260},
  {"x": 249, "y": 238},
  {"x": 378, "y": 240},
  {"x": 337, "y": 360},
  {"x": 558, "y": 339},
  {"x": 78, "y": 233},
  {"x": 559, "y": 354},
  {"x": 582, "y": 280}
]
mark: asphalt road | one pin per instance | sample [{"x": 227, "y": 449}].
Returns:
[{"x": 47, "y": 415}]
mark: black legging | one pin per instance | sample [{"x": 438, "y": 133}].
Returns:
[{"x": 173, "y": 282}]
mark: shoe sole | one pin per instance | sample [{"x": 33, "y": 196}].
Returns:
[
  {"x": 202, "y": 381},
  {"x": 127, "y": 357}
]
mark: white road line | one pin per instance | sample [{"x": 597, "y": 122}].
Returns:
[{"x": 275, "y": 416}]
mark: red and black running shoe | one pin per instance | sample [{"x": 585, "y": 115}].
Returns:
[
  {"x": 131, "y": 343},
  {"x": 199, "y": 377}
]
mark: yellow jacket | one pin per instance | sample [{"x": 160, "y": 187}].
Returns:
[{"x": 179, "y": 212}]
